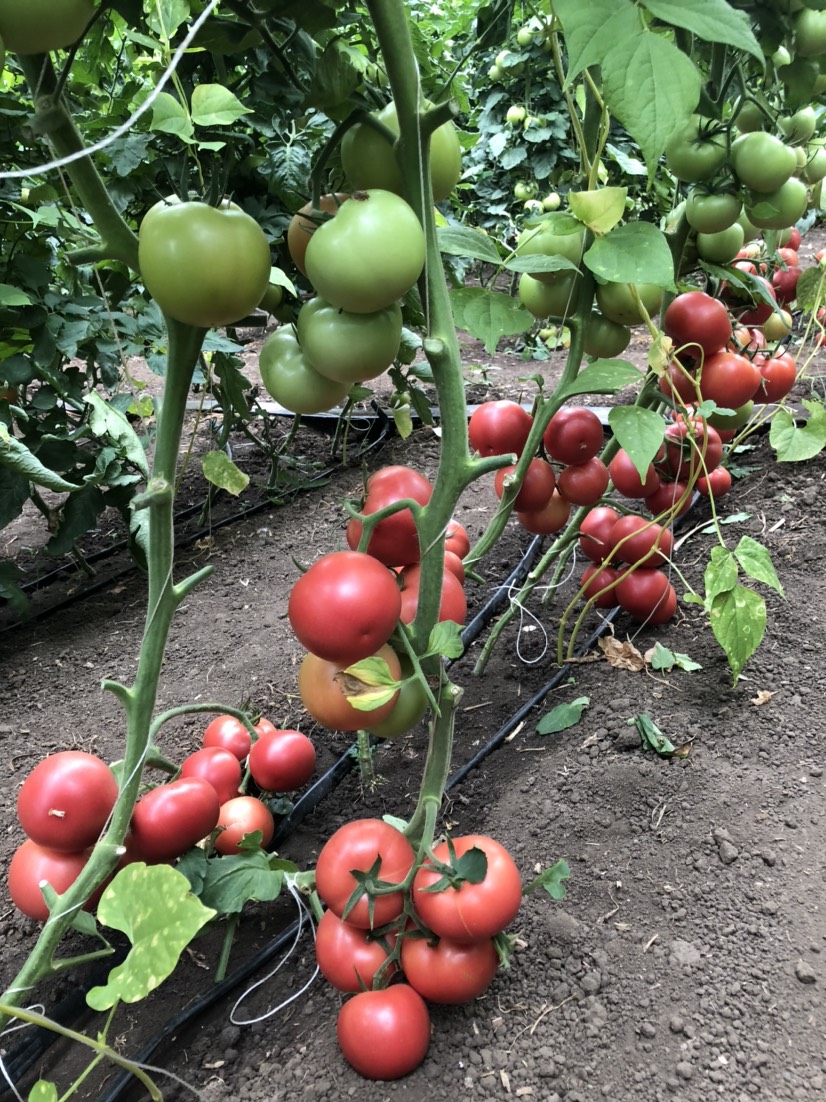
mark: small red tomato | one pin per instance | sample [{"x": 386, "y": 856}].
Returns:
[
  {"x": 281, "y": 761},
  {"x": 229, "y": 732},
  {"x": 240, "y": 816}
]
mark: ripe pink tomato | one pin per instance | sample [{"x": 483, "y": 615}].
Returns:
[
  {"x": 239, "y": 816},
  {"x": 453, "y": 603},
  {"x": 597, "y": 578},
  {"x": 384, "y": 1034},
  {"x": 626, "y": 477},
  {"x": 594, "y": 533},
  {"x": 65, "y": 801},
  {"x": 218, "y": 766},
  {"x": 584, "y": 483},
  {"x": 449, "y": 972},
  {"x": 536, "y": 489},
  {"x": 229, "y": 732},
  {"x": 281, "y": 761},
  {"x": 172, "y": 818},
  {"x": 574, "y": 435},
  {"x": 552, "y": 517},
  {"x": 30, "y": 865},
  {"x": 350, "y": 956},
  {"x": 647, "y": 595},
  {"x": 499, "y": 428}
]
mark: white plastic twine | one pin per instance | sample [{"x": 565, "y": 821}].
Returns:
[
  {"x": 526, "y": 614},
  {"x": 304, "y": 913},
  {"x": 124, "y": 128}
]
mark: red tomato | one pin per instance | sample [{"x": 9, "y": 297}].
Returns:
[
  {"x": 457, "y": 539},
  {"x": 344, "y": 607},
  {"x": 552, "y": 517},
  {"x": 469, "y": 912},
  {"x": 349, "y": 956},
  {"x": 584, "y": 483},
  {"x": 384, "y": 1034},
  {"x": 668, "y": 497},
  {"x": 787, "y": 256},
  {"x": 394, "y": 540},
  {"x": 784, "y": 281},
  {"x": 32, "y": 864},
  {"x": 574, "y": 435},
  {"x": 281, "y": 761},
  {"x": 647, "y": 595},
  {"x": 239, "y": 816},
  {"x": 757, "y": 313},
  {"x": 357, "y": 846},
  {"x": 594, "y": 533},
  {"x": 626, "y": 477},
  {"x": 65, "y": 801},
  {"x": 172, "y": 818},
  {"x": 778, "y": 375},
  {"x": 794, "y": 238},
  {"x": 449, "y": 972},
  {"x": 499, "y": 428},
  {"x": 729, "y": 379},
  {"x": 218, "y": 767},
  {"x": 697, "y": 322},
  {"x": 637, "y": 540},
  {"x": 325, "y": 697},
  {"x": 691, "y": 450},
  {"x": 455, "y": 565},
  {"x": 679, "y": 384},
  {"x": 716, "y": 484},
  {"x": 229, "y": 732},
  {"x": 453, "y": 605},
  {"x": 597, "y": 578},
  {"x": 536, "y": 489}
]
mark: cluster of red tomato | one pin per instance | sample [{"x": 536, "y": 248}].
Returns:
[
  {"x": 433, "y": 926},
  {"x": 65, "y": 802},
  {"x": 345, "y": 608}
]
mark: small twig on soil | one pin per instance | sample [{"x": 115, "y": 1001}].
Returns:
[{"x": 650, "y": 942}]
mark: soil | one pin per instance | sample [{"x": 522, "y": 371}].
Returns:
[{"x": 688, "y": 958}]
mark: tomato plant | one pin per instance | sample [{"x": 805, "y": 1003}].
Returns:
[
  {"x": 66, "y": 800},
  {"x": 240, "y": 816},
  {"x": 453, "y": 602},
  {"x": 449, "y": 972},
  {"x": 384, "y": 1034},
  {"x": 394, "y": 540},
  {"x": 281, "y": 761},
  {"x": 349, "y": 956}
]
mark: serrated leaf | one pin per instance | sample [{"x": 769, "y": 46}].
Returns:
[
  {"x": 335, "y": 78},
  {"x": 599, "y": 210},
  {"x": 652, "y": 737},
  {"x": 220, "y": 470},
  {"x": 215, "y": 105},
  {"x": 738, "y": 620},
  {"x": 639, "y": 247},
  {"x": 592, "y": 29},
  {"x": 640, "y": 433},
  {"x": 169, "y": 117},
  {"x": 154, "y": 907},
  {"x": 756, "y": 562},
  {"x": 711, "y": 20},
  {"x": 463, "y": 241},
  {"x": 488, "y": 315},
  {"x": 661, "y": 658},
  {"x": 562, "y": 716},
  {"x": 105, "y": 420},
  {"x": 16, "y": 457},
  {"x": 446, "y": 639},
  {"x": 652, "y": 87},
  {"x": 552, "y": 880},
  {"x": 232, "y": 881},
  {"x": 810, "y": 291},
  {"x": 603, "y": 377},
  {"x": 795, "y": 443},
  {"x": 539, "y": 262},
  {"x": 371, "y": 672}
]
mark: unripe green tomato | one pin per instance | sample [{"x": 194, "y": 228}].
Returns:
[
  {"x": 815, "y": 167},
  {"x": 691, "y": 155},
  {"x": 617, "y": 303},
  {"x": 779, "y": 209},
  {"x": 532, "y": 207},
  {"x": 777, "y": 326},
  {"x": 604, "y": 338},
  {"x": 2, "y": 56},
  {"x": 525, "y": 35},
  {"x": 551, "y": 202},
  {"x": 369, "y": 161},
  {"x": 495, "y": 73},
  {"x": 525, "y": 189},
  {"x": 550, "y": 300},
  {"x": 720, "y": 248},
  {"x": 762, "y": 162},
  {"x": 515, "y": 115},
  {"x": 408, "y": 711},
  {"x": 273, "y": 298},
  {"x": 750, "y": 231},
  {"x": 204, "y": 266},
  {"x": 503, "y": 58},
  {"x": 39, "y": 26},
  {"x": 749, "y": 118},
  {"x": 781, "y": 57},
  {"x": 741, "y": 415},
  {"x": 291, "y": 380},
  {"x": 349, "y": 348},
  {"x": 800, "y": 126},
  {"x": 710, "y": 213},
  {"x": 810, "y": 33}
]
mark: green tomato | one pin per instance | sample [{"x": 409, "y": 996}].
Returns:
[
  {"x": 550, "y": 300},
  {"x": 800, "y": 126},
  {"x": 369, "y": 161},
  {"x": 515, "y": 115},
  {"x": 741, "y": 415},
  {"x": 349, "y": 348},
  {"x": 708, "y": 212},
  {"x": 781, "y": 57},
  {"x": 750, "y": 231},
  {"x": 532, "y": 207},
  {"x": 291, "y": 380},
  {"x": 815, "y": 167},
  {"x": 777, "y": 210},
  {"x": 604, "y": 338},
  {"x": 749, "y": 118},
  {"x": 525, "y": 189},
  {"x": 496, "y": 73},
  {"x": 552, "y": 201},
  {"x": 545, "y": 240},
  {"x": 38, "y": 26},
  {"x": 762, "y": 162},
  {"x": 617, "y": 303},
  {"x": 525, "y": 35},
  {"x": 369, "y": 255},
  {"x": 810, "y": 33},
  {"x": 695, "y": 151},
  {"x": 720, "y": 248},
  {"x": 272, "y": 298},
  {"x": 205, "y": 266}
]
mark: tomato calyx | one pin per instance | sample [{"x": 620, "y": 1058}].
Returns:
[
  {"x": 369, "y": 885},
  {"x": 470, "y": 868}
]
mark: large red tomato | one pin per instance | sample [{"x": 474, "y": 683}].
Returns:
[
  {"x": 552, "y": 517},
  {"x": 230, "y": 733},
  {"x": 218, "y": 766},
  {"x": 595, "y": 531},
  {"x": 449, "y": 972},
  {"x": 729, "y": 379},
  {"x": 626, "y": 477},
  {"x": 600, "y": 583},
  {"x": 172, "y": 818},
  {"x": 281, "y": 761},
  {"x": 384, "y": 1034},
  {"x": 65, "y": 801},
  {"x": 32, "y": 864},
  {"x": 584, "y": 483},
  {"x": 240, "y": 816},
  {"x": 636, "y": 540},
  {"x": 697, "y": 323},
  {"x": 453, "y": 603},
  {"x": 499, "y": 428},
  {"x": 394, "y": 541},
  {"x": 647, "y": 595},
  {"x": 348, "y": 956},
  {"x": 536, "y": 489},
  {"x": 574, "y": 435}
]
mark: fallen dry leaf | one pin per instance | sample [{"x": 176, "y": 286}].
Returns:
[
  {"x": 763, "y": 697},
  {"x": 621, "y": 655}
]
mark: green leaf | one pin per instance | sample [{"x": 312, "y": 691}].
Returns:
[
  {"x": 652, "y": 737},
  {"x": 154, "y": 907},
  {"x": 599, "y": 210},
  {"x": 488, "y": 315},
  {"x": 42, "y": 1091},
  {"x": 732, "y": 518},
  {"x": 628, "y": 252},
  {"x": 220, "y": 470},
  {"x": 738, "y": 620},
  {"x": 79, "y": 515},
  {"x": 720, "y": 574},
  {"x": 711, "y": 20},
  {"x": 395, "y": 821},
  {"x": 235, "y": 880},
  {"x": 105, "y": 420},
  {"x": 603, "y": 377},
  {"x": 446, "y": 640},
  {"x": 372, "y": 671},
  {"x": 215, "y": 105},
  {"x": 665, "y": 659},
  {"x": 562, "y": 716},
  {"x": 652, "y": 88},
  {"x": 16, "y": 456},
  {"x": 640, "y": 433},
  {"x": 14, "y": 493},
  {"x": 169, "y": 117},
  {"x": 756, "y": 562},
  {"x": 403, "y": 420},
  {"x": 367, "y": 684},
  {"x": 165, "y": 16},
  {"x": 463, "y": 241},
  {"x": 796, "y": 443},
  {"x": 335, "y": 78},
  {"x": 13, "y": 296},
  {"x": 539, "y": 262},
  {"x": 631, "y": 166},
  {"x": 552, "y": 880},
  {"x": 592, "y": 29},
  {"x": 810, "y": 291},
  {"x": 10, "y": 576}
]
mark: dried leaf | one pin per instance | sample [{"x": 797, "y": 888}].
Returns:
[
  {"x": 763, "y": 697},
  {"x": 622, "y": 655}
]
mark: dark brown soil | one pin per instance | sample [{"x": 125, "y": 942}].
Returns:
[{"x": 688, "y": 960}]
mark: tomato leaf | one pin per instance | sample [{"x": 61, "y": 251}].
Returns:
[
  {"x": 738, "y": 620},
  {"x": 169, "y": 117},
  {"x": 488, "y": 315},
  {"x": 603, "y": 377},
  {"x": 712, "y": 20},
  {"x": 234, "y": 880},
  {"x": 562, "y": 716},
  {"x": 371, "y": 672},
  {"x": 215, "y": 105},
  {"x": 720, "y": 574},
  {"x": 640, "y": 433},
  {"x": 809, "y": 289},
  {"x": 622, "y": 254},
  {"x": 593, "y": 29},
  {"x": 446, "y": 639},
  {"x": 796, "y": 443},
  {"x": 220, "y": 470},
  {"x": 661, "y": 658},
  {"x": 16, "y": 456},
  {"x": 552, "y": 880},
  {"x": 539, "y": 262},
  {"x": 756, "y": 562},
  {"x": 465, "y": 242},
  {"x": 13, "y": 296},
  {"x": 155, "y": 908},
  {"x": 599, "y": 210},
  {"x": 652, "y": 737}
]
